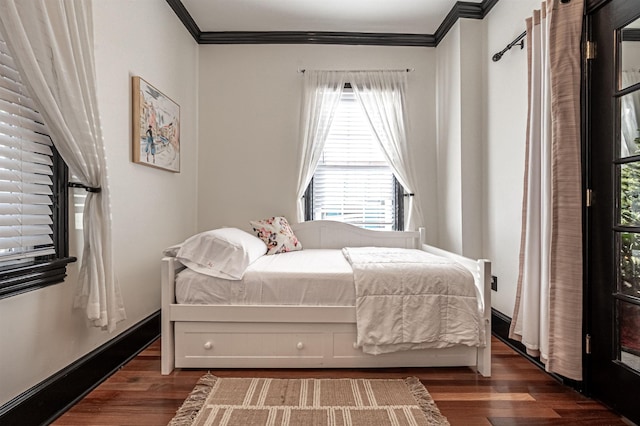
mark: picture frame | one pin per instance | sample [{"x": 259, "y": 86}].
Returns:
[{"x": 156, "y": 127}]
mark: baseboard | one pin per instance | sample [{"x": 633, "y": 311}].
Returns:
[
  {"x": 49, "y": 399},
  {"x": 500, "y": 324}
]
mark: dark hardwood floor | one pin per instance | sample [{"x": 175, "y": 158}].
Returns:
[{"x": 518, "y": 393}]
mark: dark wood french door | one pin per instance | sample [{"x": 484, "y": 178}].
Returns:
[{"x": 613, "y": 220}]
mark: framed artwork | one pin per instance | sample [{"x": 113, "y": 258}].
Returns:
[{"x": 156, "y": 127}]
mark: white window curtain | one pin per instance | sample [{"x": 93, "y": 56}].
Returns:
[
  {"x": 537, "y": 202},
  {"x": 51, "y": 42},
  {"x": 547, "y": 317},
  {"x": 382, "y": 95},
  {"x": 321, "y": 95}
]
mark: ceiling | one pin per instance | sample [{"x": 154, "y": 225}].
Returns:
[
  {"x": 373, "y": 16},
  {"x": 398, "y": 22}
]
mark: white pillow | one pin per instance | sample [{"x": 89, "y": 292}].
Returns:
[{"x": 223, "y": 253}]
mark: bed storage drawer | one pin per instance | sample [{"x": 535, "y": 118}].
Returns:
[
  {"x": 344, "y": 345},
  {"x": 285, "y": 345},
  {"x": 228, "y": 345}
]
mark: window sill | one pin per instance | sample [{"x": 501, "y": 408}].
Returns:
[{"x": 32, "y": 276}]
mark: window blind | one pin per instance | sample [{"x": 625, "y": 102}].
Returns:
[
  {"x": 353, "y": 182},
  {"x": 26, "y": 160}
]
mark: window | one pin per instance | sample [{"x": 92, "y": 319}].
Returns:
[
  {"x": 353, "y": 182},
  {"x": 33, "y": 198}
]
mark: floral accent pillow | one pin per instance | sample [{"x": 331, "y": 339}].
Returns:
[{"x": 276, "y": 234}]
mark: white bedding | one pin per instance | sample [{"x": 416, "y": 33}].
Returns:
[
  {"x": 404, "y": 298},
  {"x": 306, "y": 277},
  {"x": 410, "y": 299}
]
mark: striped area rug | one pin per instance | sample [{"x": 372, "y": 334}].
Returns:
[{"x": 308, "y": 402}]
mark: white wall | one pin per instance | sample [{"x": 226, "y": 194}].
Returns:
[
  {"x": 505, "y": 117},
  {"x": 472, "y": 165},
  {"x": 250, "y": 98},
  {"x": 449, "y": 130},
  {"x": 40, "y": 332},
  {"x": 459, "y": 118}
]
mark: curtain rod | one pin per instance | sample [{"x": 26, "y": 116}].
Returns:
[
  {"x": 518, "y": 40},
  {"x": 405, "y": 70},
  {"x": 85, "y": 187}
]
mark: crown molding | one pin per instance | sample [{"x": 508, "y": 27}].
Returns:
[
  {"x": 461, "y": 9},
  {"x": 316, "y": 37}
]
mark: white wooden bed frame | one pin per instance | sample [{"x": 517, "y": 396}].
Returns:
[{"x": 224, "y": 336}]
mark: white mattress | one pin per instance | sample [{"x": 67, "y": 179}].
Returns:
[{"x": 306, "y": 277}]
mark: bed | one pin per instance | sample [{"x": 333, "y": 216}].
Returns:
[{"x": 202, "y": 334}]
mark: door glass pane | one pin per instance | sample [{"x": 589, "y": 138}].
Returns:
[
  {"x": 629, "y": 194},
  {"x": 630, "y": 124},
  {"x": 630, "y": 54},
  {"x": 629, "y": 249},
  {"x": 629, "y": 322}
]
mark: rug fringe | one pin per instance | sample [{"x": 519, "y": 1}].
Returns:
[
  {"x": 425, "y": 402},
  {"x": 194, "y": 402}
]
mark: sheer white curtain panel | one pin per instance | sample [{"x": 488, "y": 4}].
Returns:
[
  {"x": 321, "y": 95},
  {"x": 382, "y": 95},
  {"x": 52, "y": 44},
  {"x": 532, "y": 324}
]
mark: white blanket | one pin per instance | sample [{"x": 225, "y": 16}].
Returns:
[{"x": 410, "y": 299}]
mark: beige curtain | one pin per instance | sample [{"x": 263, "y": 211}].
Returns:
[{"x": 548, "y": 313}]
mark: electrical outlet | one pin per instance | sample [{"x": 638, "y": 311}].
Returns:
[{"x": 494, "y": 283}]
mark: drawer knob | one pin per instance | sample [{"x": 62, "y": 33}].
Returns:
[
  {"x": 208, "y": 345},
  {"x": 300, "y": 345}
]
